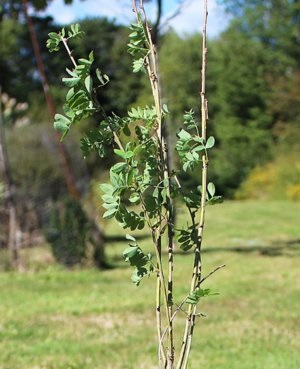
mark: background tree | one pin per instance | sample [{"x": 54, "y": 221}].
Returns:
[
  {"x": 273, "y": 66},
  {"x": 255, "y": 127},
  {"x": 20, "y": 48},
  {"x": 239, "y": 107},
  {"x": 8, "y": 110}
]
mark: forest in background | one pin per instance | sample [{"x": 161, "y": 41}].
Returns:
[{"x": 254, "y": 111}]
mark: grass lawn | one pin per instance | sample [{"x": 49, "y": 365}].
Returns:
[{"x": 85, "y": 319}]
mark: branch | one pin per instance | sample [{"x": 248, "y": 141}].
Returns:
[
  {"x": 178, "y": 308},
  {"x": 64, "y": 41},
  {"x": 152, "y": 70},
  {"x": 156, "y": 26},
  {"x": 182, "y": 4},
  {"x": 196, "y": 277},
  {"x": 211, "y": 273},
  {"x": 63, "y": 154}
]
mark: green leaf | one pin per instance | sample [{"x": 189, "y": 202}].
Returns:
[
  {"x": 114, "y": 178},
  {"x": 185, "y": 166},
  {"x": 70, "y": 94},
  {"x": 126, "y": 131},
  {"x": 138, "y": 274},
  {"x": 54, "y": 36},
  {"x": 130, "y": 252},
  {"x": 106, "y": 188},
  {"x": 195, "y": 155},
  {"x": 75, "y": 31},
  {"x": 199, "y": 148},
  {"x": 62, "y": 123},
  {"x": 53, "y": 42},
  {"x": 104, "y": 79},
  {"x": 117, "y": 168},
  {"x": 138, "y": 65},
  {"x": 124, "y": 154},
  {"x": 215, "y": 200},
  {"x": 130, "y": 238},
  {"x": 210, "y": 142},
  {"x": 211, "y": 189},
  {"x": 190, "y": 156},
  {"x": 70, "y": 82},
  {"x": 186, "y": 246},
  {"x": 108, "y": 198},
  {"x": 135, "y": 256},
  {"x": 85, "y": 62},
  {"x": 196, "y": 295},
  {"x": 71, "y": 73},
  {"x": 165, "y": 109},
  {"x": 109, "y": 213},
  {"x": 164, "y": 193},
  {"x": 129, "y": 154},
  {"x": 192, "y": 199},
  {"x": 110, "y": 205},
  {"x": 184, "y": 135},
  {"x": 88, "y": 83},
  {"x": 198, "y": 139},
  {"x": 134, "y": 198},
  {"x": 141, "y": 224},
  {"x": 155, "y": 192},
  {"x": 188, "y": 237},
  {"x": 61, "y": 127}
]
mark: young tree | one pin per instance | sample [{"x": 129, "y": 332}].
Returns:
[{"x": 142, "y": 177}]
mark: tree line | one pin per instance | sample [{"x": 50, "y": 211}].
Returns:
[{"x": 253, "y": 82}]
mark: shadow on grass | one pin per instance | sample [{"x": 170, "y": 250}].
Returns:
[
  {"x": 116, "y": 261},
  {"x": 282, "y": 248},
  {"x": 122, "y": 238},
  {"x": 288, "y": 248}
]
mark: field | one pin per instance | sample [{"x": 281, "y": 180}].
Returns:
[{"x": 51, "y": 318}]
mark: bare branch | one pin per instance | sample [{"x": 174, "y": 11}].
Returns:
[
  {"x": 211, "y": 273},
  {"x": 196, "y": 277},
  {"x": 156, "y": 26},
  {"x": 178, "y": 10},
  {"x": 64, "y": 41}
]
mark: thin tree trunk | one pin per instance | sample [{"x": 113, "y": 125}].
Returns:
[
  {"x": 166, "y": 128},
  {"x": 96, "y": 234},
  {"x": 155, "y": 29},
  {"x": 14, "y": 233},
  {"x": 64, "y": 160}
]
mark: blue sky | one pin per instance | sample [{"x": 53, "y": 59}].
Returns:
[{"x": 188, "y": 21}]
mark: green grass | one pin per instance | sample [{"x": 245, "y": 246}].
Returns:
[{"x": 85, "y": 319}]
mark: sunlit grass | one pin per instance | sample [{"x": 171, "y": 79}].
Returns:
[{"x": 86, "y": 319}]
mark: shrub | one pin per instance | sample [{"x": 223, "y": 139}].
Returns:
[
  {"x": 293, "y": 192},
  {"x": 279, "y": 180},
  {"x": 67, "y": 233}
]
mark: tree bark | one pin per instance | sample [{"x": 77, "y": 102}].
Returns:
[
  {"x": 14, "y": 233},
  {"x": 64, "y": 159},
  {"x": 98, "y": 240},
  {"x": 155, "y": 29}
]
